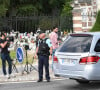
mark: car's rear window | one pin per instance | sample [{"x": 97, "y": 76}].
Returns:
[{"x": 76, "y": 43}]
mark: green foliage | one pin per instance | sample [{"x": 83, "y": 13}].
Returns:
[
  {"x": 6, "y": 3},
  {"x": 2, "y": 10},
  {"x": 47, "y": 23},
  {"x": 96, "y": 26},
  {"x": 33, "y": 6},
  {"x": 67, "y": 8},
  {"x": 1, "y": 1},
  {"x": 24, "y": 9}
]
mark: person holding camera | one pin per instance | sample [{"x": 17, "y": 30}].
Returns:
[{"x": 4, "y": 44}]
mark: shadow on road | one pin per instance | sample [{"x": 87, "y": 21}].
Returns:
[{"x": 77, "y": 86}]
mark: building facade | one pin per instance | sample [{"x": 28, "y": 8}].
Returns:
[{"x": 84, "y": 14}]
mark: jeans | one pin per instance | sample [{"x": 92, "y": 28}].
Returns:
[
  {"x": 6, "y": 57},
  {"x": 53, "y": 53}
]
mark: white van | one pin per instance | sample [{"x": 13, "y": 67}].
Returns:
[{"x": 78, "y": 57}]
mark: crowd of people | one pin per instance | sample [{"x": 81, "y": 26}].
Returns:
[{"x": 44, "y": 44}]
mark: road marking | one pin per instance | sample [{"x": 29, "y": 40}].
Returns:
[{"x": 30, "y": 81}]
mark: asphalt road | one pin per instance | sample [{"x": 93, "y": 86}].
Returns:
[{"x": 53, "y": 85}]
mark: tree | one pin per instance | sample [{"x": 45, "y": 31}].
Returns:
[
  {"x": 67, "y": 9},
  {"x": 96, "y": 26},
  {"x": 24, "y": 7},
  {"x": 4, "y": 4}
]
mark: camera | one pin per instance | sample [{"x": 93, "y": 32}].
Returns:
[
  {"x": 26, "y": 47},
  {"x": 10, "y": 39}
]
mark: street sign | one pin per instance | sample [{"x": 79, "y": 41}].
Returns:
[{"x": 19, "y": 54}]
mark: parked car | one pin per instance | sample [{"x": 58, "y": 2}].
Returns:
[{"x": 78, "y": 57}]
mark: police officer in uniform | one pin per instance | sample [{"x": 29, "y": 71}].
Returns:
[{"x": 44, "y": 52}]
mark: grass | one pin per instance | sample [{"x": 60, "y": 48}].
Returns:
[{"x": 13, "y": 56}]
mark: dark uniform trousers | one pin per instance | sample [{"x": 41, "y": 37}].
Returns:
[{"x": 43, "y": 61}]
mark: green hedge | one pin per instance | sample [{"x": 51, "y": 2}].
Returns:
[{"x": 96, "y": 26}]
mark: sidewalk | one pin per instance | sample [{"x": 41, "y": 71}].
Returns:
[{"x": 19, "y": 77}]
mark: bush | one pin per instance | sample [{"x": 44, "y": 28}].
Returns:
[{"x": 96, "y": 26}]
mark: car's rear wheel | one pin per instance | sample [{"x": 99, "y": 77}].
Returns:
[{"x": 82, "y": 81}]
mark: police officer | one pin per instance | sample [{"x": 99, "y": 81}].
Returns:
[
  {"x": 44, "y": 51},
  {"x": 5, "y": 55}
]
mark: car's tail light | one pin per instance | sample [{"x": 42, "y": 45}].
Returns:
[
  {"x": 55, "y": 59},
  {"x": 89, "y": 60}
]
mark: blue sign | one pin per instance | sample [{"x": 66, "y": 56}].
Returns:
[{"x": 19, "y": 54}]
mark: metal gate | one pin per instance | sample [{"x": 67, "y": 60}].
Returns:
[{"x": 31, "y": 23}]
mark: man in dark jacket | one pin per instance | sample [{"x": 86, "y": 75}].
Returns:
[{"x": 4, "y": 44}]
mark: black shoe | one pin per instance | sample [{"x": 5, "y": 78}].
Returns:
[
  {"x": 39, "y": 80},
  {"x": 48, "y": 80}
]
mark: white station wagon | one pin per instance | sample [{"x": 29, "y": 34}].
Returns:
[{"x": 78, "y": 57}]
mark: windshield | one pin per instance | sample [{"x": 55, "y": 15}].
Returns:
[{"x": 76, "y": 43}]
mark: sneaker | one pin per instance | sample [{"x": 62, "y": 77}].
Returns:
[{"x": 7, "y": 76}]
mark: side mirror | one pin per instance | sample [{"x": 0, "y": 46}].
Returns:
[{"x": 97, "y": 49}]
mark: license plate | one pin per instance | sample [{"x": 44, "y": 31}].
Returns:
[{"x": 68, "y": 61}]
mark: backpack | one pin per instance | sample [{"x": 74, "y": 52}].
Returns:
[{"x": 43, "y": 48}]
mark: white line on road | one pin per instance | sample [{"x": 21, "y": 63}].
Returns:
[{"x": 31, "y": 81}]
